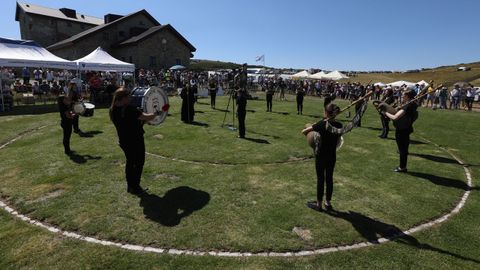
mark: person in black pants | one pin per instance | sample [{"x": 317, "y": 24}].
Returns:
[
  {"x": 325, "y": 156},
  {"x": 241, "y": 100},
  {"x": 212, "y": 89},
  {"x": 269, "y": 93},
  {"x": 128, "y": 122},
  {"x": 67, "y": 116},
  {"x": 300, "y": 94},
  {"x": 188, "y": 103},
  {"x": 388, "y": 99},
  {"x": 403, "y": 122}
]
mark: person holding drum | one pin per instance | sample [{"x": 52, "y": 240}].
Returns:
[
  {"x": 325, "y": 156},
  {"x": 128, "y": 122},
  {"x": 67, "y": 116}
]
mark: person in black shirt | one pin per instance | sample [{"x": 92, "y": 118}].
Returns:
[
  {"x": 66, "y": 114},
  {"x": 325, "y": 156},
  {"x": 212, "y": 89},
  {"x": 188, "y": 103},
  {"x": 403, "y": 122},
  {"x": 300, "y": 94},
  {"x": 269, "y": 95},
  {"x": 388, "y": 99},
  {"x": 128, "y": 122},
  {"x": 241, "y": 111}
]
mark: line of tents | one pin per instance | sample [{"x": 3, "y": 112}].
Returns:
[{"x": 21, "y": 53}]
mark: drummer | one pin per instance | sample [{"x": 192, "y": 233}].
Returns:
[
  {"x": 67, "y": 116},
  {"x": 129, "y": 122}
]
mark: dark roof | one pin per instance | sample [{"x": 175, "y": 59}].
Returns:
[
  {"x": 93, "y": 30},
  {"x": 56, "y": 13},
  {"x": 153, "y": 30}
]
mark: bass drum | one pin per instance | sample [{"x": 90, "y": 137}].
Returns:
[
  {"x": 313, "y": 136},
  {"x": 151, "y": 100}
]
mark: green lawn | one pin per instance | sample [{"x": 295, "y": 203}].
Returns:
[{"x": 237, "y": 195}]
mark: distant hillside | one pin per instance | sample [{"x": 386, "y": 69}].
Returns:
[
  {"x": 447, "y": 75},
  {"x": 203, "y": 65}
]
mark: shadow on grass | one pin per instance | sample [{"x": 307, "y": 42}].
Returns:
[
  {"x": 441, "y": 181},
  {"x": 261, "y": 141},
  {"x": 282, "y": 113},
  {"x": 82, "y": 159},
  {"x": 411, "y": 141},
  {"x": 195, "y": 123},
  {"x": 436, "y": 158},
  {"x": 373, "y": 128},
  {"x": 221, "y": 110},
  {"x": 372, "y": 230},
  {"x": 90, "y": 134},
  {"x": 265, "y": 135},
  {"x": 176, "y": 204}
]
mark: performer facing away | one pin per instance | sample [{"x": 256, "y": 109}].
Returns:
[
  {"x": 388, "y": 99},
  {"x": 241, "y": 111},
  {"x": 129, "y": 122},
  {"x": 325, "y": 156},
  {"x": 403, "y": 122},
  {"x": 300, "y": 93},
  {"x": 212, "y": 90},
  {"x": 67, "y": 116}
]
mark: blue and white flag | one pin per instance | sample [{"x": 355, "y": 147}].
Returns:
[{"x": 260, "y": 58}]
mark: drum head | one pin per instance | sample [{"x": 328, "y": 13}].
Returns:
[
  {"x": 156, "y": 101},
  {"x": 78, "y": 108},
  {"x": 89, "y": 106}
]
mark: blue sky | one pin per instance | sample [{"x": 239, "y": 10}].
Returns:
[{"x": 345, "y": 35}]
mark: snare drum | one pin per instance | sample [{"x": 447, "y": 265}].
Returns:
[
  {"x": 151, "y": 100},
  {"x": 84, "y": 109}
]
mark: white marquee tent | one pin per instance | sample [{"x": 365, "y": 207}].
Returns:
[
  {"x": 318, "y": 76},
  {"x": 100, "y": 60},
  {"x": 401, "y": 83},
  {"x": 22, "y": 53},
  {"x": 301, "y": 75},
  {"x": 335, "y": 75}
]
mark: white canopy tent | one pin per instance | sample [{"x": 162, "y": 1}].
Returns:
[
  {"x": 401, "y": 83},
  {"x": 380, "y": 84},
  {"x": 100, "y": 60},
  {"x": 301, "y": 75},
  {"x": 318, "y": 76},
  {"x": 23, "y": 53},
  {"x": 423, "y": 82},
  {"x": 335, "y": 75}
]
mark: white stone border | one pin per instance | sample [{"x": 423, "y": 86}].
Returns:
[
  {"x": 303, "y": 253},
  {"x": 228, "y": 164}
]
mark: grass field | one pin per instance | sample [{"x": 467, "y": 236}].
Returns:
[{"x": 238, "y": 195}]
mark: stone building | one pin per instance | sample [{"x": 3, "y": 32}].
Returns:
[
  {"x": 48, "y": 26},
  {"x": 135, "y": 38}
]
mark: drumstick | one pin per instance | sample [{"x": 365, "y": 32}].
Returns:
[{"x": 352, "y": 104}]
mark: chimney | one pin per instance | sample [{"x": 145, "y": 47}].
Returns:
[
  {"x": 111, "y": 17},
  {"x": 71, "y": 13}
]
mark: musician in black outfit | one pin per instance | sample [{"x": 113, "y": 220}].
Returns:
[
  {"x": 325, "y": 156},
  {"x": 360, "y": 92},
  {"x": 188, "y": 103},
  {"x": 403, "y": 122},
  {"x": 67, "y": 116},
  {"x": 388, "y": 99},
  {"x": 212, "y": 89},
  {"x": 241, "y": 100},
  {"x": 128, "y": 122},
  {"x": 269, "y": 94},
  {"x": 300, "y": 93}
]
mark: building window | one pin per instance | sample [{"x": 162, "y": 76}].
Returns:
[
  {"x": 69, "y": 24},
  {"x": 178, "y": 61},
  {"x": 121, "y": 34},
  {"x": 30, "y": 26},
  {"x": 153, "y": 61},
  {"x": 105, "y": 36},
  {"x": 130, "y": 59},
  {"x": 52, "y": 22}
]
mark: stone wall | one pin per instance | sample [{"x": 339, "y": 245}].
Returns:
[
  {"x": 104, "y": 38},
  {"x": 47, "y": 31}
]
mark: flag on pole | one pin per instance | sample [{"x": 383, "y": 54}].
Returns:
[{"x": 260, "y": 58}]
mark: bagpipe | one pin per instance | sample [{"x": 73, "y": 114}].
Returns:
[{"x": 314, "y": 139}]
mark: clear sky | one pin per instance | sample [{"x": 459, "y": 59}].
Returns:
[{"x": 345, "y": 34}]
